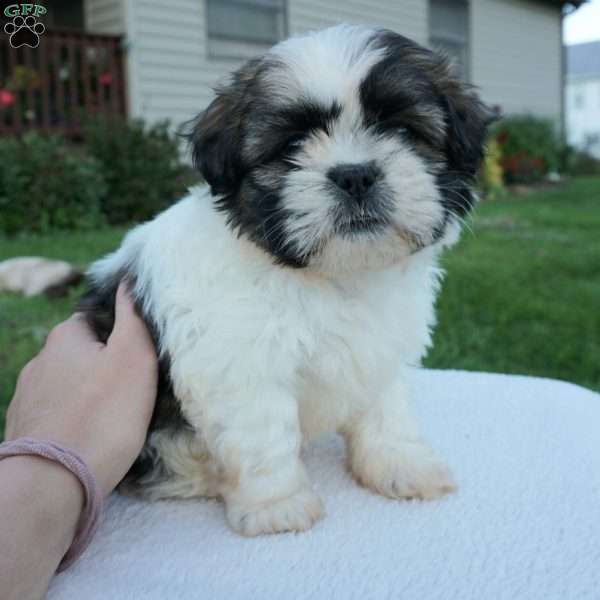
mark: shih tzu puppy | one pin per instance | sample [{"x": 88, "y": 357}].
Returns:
[{"x": 294, "y": 293}]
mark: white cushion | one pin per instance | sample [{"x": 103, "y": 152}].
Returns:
[{"x": 524, "y": 524}]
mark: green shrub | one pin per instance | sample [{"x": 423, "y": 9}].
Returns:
[
  {"x": 530, "y": 148},
  {"x": 45, "y": 184},
  {"x": 140, "y": 164},
  {"x": 580, "y": 162}
]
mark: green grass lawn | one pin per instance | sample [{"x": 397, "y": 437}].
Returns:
[{"x": 522, "y": 294}]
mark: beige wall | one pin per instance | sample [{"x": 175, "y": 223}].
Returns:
[
  {"x": 514, "y": 58},
  {"x": 583, "y": 112},
  {"x": 170, "y": 72},
  {"x": 408, "y": 17},
  {"x": 516, "y": 55}
]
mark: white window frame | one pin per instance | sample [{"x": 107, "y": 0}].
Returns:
[
  {"x": 439, "y": 38},
  {"x": 225, "y": 45}
]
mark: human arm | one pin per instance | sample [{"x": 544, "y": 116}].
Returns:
[{"x": 93, "y": 398}]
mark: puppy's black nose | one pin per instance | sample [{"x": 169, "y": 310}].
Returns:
[{"x": 355, "y": 179}]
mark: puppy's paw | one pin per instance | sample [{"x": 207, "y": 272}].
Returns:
[
  {"x": 407, "y": 470},
  {"x": 297, "y": 512}
]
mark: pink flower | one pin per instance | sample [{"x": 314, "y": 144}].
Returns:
[
  {"x": 6, "y": 98},
  {"x": 105, "y": 79}
]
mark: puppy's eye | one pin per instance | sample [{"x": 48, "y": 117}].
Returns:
[
  {"x": 400, "y": 126},
  {"x": 293, "y": 143}
]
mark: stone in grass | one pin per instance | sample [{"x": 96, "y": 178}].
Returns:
[{"x": 33, "y": 275}]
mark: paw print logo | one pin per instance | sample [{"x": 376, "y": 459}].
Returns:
[{"x": 24, "y": 31}]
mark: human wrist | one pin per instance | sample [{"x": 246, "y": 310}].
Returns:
[
  {"x": 54, "y": 495},
  {"x": 41, "y": 502},
  {"x": 93, "y": 500},
  {"x": 99, "y": 456}
]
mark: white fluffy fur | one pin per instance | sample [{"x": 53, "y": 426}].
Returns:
[
  {"x": 264, "y": 356},
  {"x": 324, "y": 67},
  {"x": 417, "y": 206}
]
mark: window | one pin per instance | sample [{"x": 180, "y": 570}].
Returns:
[
  {"x": 449, "y": 31},
  {"x": 64, "y": 14},
  {"x": 579, "y": 100},
  {"x": 591, "y": 140},
  {"x": 239, "y": 28}
]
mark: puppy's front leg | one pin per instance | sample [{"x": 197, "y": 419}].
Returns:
[
  {"x": 387, "y": 454},
  {"x": 254, "y": 434}
]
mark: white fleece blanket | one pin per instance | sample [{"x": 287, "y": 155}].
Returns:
[{"x": 525, "y": 523}]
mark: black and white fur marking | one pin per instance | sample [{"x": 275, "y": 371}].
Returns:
[{"x": 294, "y": 293}]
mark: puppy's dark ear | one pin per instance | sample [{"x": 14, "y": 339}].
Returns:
[
  {"x": 215, "y": 149},
  {"x": 467, "y": 118},
  {"x": 467, "y": 122},
  {"x": 217, "y": 133}
]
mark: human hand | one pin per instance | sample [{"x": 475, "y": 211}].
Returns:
[{"x": 94, "y": 398}]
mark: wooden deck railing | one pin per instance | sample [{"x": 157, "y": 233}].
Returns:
[{"x": 50, "y": 87}]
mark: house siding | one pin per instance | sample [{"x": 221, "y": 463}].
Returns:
[
  {"x": 171, "y": 74},
  {"x": 168, "y": 45},
  {"x": 583, "y": 113},
  {"x": 515, "y": 48},
  {"x": 104, "y": 16},
  {"x": 409, "y": 17},
  {"x": 516, "y": 55}
]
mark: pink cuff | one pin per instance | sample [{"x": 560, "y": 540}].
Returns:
[{"x": 90, "y": 516}]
